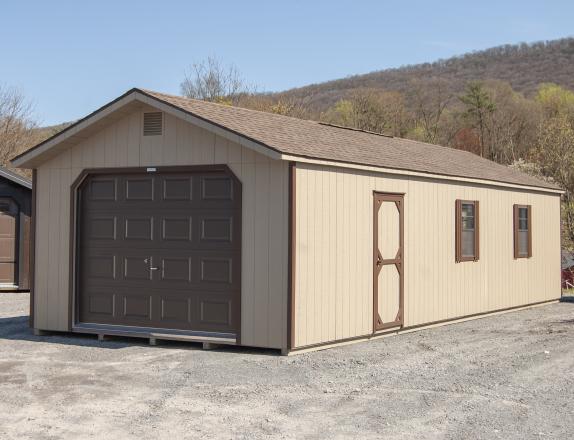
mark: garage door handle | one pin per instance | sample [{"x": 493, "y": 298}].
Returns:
[{"x": 153, "y": 268}]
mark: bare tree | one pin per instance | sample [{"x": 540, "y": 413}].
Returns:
[
  {"x": 374, "y": 110},
  {"x": 16, "y": 125},
  {"x": 210, "y": 80},
  {"x": 430, "y": 98}
]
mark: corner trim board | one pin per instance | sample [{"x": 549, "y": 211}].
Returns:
[
  {"x": 291, "y": 255},
  {"x": 32, "y": 269}
]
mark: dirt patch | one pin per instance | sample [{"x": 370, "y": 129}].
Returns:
[{"x": 507, "y": 376}]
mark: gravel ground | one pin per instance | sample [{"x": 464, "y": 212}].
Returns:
[{"x": 507, "y": 376}]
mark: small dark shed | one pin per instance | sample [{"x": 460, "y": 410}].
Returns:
[{"x": 15, "y": 218}]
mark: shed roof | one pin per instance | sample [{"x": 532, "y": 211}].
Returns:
[
  {"x": 16, "y": 178},
  {"x": 315, "y": 140}
]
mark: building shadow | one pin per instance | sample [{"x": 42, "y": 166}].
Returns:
[{"x": 16, "y": 328}]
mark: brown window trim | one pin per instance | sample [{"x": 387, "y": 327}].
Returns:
[
  {"x": 459, "y": 258},
  {"x": 515, "y": 231}
]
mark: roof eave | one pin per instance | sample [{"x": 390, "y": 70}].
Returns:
[
  {"x": 19, "y": 180},
  {"x": 422, "y": 174},
  {"x": 33, "y": 157}
]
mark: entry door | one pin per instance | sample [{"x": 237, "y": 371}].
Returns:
[
  {"x": 388, "y": 268},
  {"x": 8, "y": 228},
  {"x": 160, "y": 250}
]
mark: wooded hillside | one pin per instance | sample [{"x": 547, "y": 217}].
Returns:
[{"x": 524, "y": 66}]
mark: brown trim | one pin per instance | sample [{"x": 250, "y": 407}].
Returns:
[
  {"x": 529, "y": 231},
  {"x": 379, "y": 261},
  {"x": 369, "y": 336},
  {"x": 476, "y": 230},
  {"x": 32, "y": 275},
  {"x": 457, "y": 230},
  {"x": 291, "y": 262},
  {"x": 515, "y": 227},
  {"x": 72, "y": 306},
  {"x": 459, "y": 257}
]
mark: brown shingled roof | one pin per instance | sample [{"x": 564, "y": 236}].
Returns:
[{"x": 312, "y": 139}]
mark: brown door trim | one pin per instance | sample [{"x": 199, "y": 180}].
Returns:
[
  {"x": 74, "y": 218},
  {"x": 291, "y": 257},
  {"x": 32, "y": 275},
  {"x": 379, "y": 262}
]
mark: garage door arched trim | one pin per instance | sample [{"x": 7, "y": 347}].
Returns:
[{"x": 207, "y": 173}]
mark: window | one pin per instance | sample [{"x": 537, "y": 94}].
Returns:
[
  {"x": 467, "y": 231},
  {"x": 522, "y": 231}
]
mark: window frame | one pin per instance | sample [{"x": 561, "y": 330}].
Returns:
[
  {"x": 459, "y": 258},
  {"x": 516, "y": 230}
]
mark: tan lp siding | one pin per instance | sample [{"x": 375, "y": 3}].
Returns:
[
  {"x": 121, "y": 144},
  {"x": 334, "y": 248}
]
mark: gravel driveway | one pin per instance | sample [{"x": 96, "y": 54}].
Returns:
[{"x": 507, "y": 376}]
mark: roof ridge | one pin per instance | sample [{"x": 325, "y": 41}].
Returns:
[
  {"x": 226, "y": 106},
  {"x": 344, "y": 127}
]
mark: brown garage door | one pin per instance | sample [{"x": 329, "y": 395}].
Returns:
[
  {"x": 8, "y": 226},
  {"x": 160, "y": 250}
]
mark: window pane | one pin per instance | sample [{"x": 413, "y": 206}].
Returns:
[
  {"x": 522, "y": 219},
  {"x": 523, "y": 242},
  {"x": 468, "y": 216},
  {"x": 468, "y": 223},
  {"x": 467, "y": 244}
]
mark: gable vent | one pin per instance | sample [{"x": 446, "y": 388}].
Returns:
[{"x": 153, "y": 124}]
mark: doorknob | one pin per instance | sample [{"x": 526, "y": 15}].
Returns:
[{"x": 153, "y": 268}]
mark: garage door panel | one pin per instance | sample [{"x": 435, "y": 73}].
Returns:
[
  {"x": 101, "y": 267},
  {"x": 8, "y": 241},
  {"x": 136, "y": 306},
  {"x": 177, "y": 228},
  {"x": 216, "y": 229},
  {"x": 102, "y": 189},
  {"x": 177, "y": 188},
  {"x": 139, "y": 228},
  {"x": 216, "y": 270},
  {"x": 216, "y": 188},
  {"x": 176, "y": 269},
  {"x": 8, "y": 248},
  {"x": 175, "y": 309},
  {"x": 137, "y": 267},
  {"x": 139, "y": 188},
  {"x": 101, "y": 227},
  {"x": 98, "y": 304},
  {"x": 7, "y": 272},
  {"x": 161, "y": 251},
  {"x": 215, "y": 312}
]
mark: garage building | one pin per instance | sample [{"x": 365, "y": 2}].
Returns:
[
  {"x": 163, "y": 217},
  {"x": 15, "y": 220}
]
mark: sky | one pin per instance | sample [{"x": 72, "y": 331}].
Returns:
[{"x": 71, "y": 57}]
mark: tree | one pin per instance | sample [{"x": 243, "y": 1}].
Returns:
[
  {"x": 16, "y": 125},
  {"x": 511, "y": 129},
  {"x": 555, "y": 100},
  {"x": 479, "y": 107},
  {"x": 210, "y": 80},
  {"x": 555, "y": 156},
  {"x": 371, "y": 110},
  {"x": 429, "y": 99}
]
